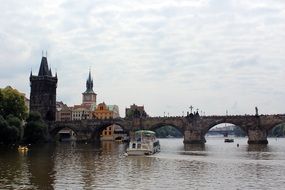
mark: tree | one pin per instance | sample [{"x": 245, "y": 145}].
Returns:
[
  {"x": 17, "y": 124},
  {"x": 9, "y": 133},
  {"x": 165, "y": 131},
  {"x": 35, "y": 129},
  {"x": 12, "y": 112},
  {"x": 12, "y": 102}
]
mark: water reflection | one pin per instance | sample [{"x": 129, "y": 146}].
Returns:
[
  {"x": 258, "y": 148},
  {"x": 194, "y": 147},
  {"x": 216, "y": 165}
]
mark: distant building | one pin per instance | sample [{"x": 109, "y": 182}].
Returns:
[
  {"x": 102, "y": 112},
  {"x": 113, "y": 132},
  {"x": 43, "y": 92},
  {"x": 66, "y": 134},
  {"x": 84, "y": 111},
  {"x": 63, "y": 112},
  {"x": 80, "y": 112},
  {"x": 136, "y": 112},
  {"x": 115, "y": 110}
]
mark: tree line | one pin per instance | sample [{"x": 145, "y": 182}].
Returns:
[
  {"x": 168, "y": 131},
  {"x": 16, "y": 125}
]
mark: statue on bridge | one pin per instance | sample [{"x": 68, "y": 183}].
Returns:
[{"x": 256, "y": 111}]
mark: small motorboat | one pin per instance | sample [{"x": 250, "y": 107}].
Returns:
[
  {"x": 23, "y": 148},
  {"x": 229, "y": 140}
]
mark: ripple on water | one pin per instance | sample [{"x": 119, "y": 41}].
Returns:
[{"x": 215, "y": 166}]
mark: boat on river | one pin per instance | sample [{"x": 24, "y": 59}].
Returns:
[
  {"x": 229, "y": 140},
  {"x": 23, "y": 148},
  {"x": 143, "y": 143}
]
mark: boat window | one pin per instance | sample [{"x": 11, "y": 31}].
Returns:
[
  {"x": 134, "y": 145},
  {"x": 139, "y": 145}
]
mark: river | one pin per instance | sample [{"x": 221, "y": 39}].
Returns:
[{"x": 217, "y": 165}]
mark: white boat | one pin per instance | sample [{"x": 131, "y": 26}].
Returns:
[{"x": 144, "y": 143}]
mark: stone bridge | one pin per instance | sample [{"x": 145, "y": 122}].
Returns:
[{"x": 194, "y": 127}]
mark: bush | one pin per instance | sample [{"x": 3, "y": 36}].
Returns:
[
  {"x": 35, "y": 129},
  {"x": 9, "y": 133}
]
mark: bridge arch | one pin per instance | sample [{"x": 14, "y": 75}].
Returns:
[
  {"x": 100, "y": 128},
  {"x": 57, "y": 129},
  {"x": 163, "y": 124},
  {"x": 277, "y": 129},
  {"x": 223, "y": 121},
  {"x": 273, "y": 125},
  {"x": 224, "y": 126}
]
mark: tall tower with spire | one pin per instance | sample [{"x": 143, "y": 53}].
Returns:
[
  {"x": 89, "y": 96},
  {"x": 43, "y": 92}
]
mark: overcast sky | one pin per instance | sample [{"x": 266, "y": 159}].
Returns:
[{"x": 216, "y": 55}]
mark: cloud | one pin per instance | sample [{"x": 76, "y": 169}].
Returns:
[{"x": 166, "y": 55}]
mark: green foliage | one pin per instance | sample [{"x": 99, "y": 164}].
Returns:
[
  {"x": 12, "y": 112},
  {"x": 10, "y": 131},
  {"x": 16, "y": 123},
  {"x": 238, "y": 132},
  {"x": 166, "y": 131},
  {"x": 12, "y": 103},
  {"x": 35, "y": 130}
]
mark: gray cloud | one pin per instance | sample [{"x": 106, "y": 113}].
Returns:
[{"x": 215, "y": 55}]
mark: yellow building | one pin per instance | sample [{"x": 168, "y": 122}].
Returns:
[{"x": 104, "y": 111}]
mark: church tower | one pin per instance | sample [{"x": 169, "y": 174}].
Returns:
[
  {"x": 43, "y": 92},
  {"x": 89, "y": 96}
]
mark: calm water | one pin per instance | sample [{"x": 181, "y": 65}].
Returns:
[{"x": 217, "y": 165}]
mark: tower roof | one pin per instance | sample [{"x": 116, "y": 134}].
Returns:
[
  {"x": 44, "y": 70},
  {"x": 89, "y": 84}
]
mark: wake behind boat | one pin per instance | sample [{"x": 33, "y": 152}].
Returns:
[{"x": 143, "y": 143}]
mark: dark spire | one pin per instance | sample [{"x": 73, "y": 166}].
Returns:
[
  {"x": 89, "y": 84},
  {"x": 44, "y": 70},
  {"x": 50, "y": 73}
]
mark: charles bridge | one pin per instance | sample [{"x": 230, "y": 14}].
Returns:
[{"x": 194, "y": 127}]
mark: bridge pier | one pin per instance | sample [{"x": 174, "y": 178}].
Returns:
[
  {"x": 194, "y": 137},
  {"x": 257, "y": 136}
]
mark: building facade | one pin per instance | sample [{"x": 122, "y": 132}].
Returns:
[
  {"x": 102, "y": 112},
  {"x": 135, "y": 111},
  {"x": 63, "y": 112},
  {"x": 43, "y": 92},
  {"x": 115, "y": 111},
  {"x": 80, "y": 112}
]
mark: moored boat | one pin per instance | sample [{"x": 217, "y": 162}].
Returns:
[
  {"x": 143, "y": 143},
  {"x": 229, "y": 140}
]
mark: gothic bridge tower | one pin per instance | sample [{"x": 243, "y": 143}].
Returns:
[
  {"x": 43, "y": 92},
  {"x": 89, "y": 96}
]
